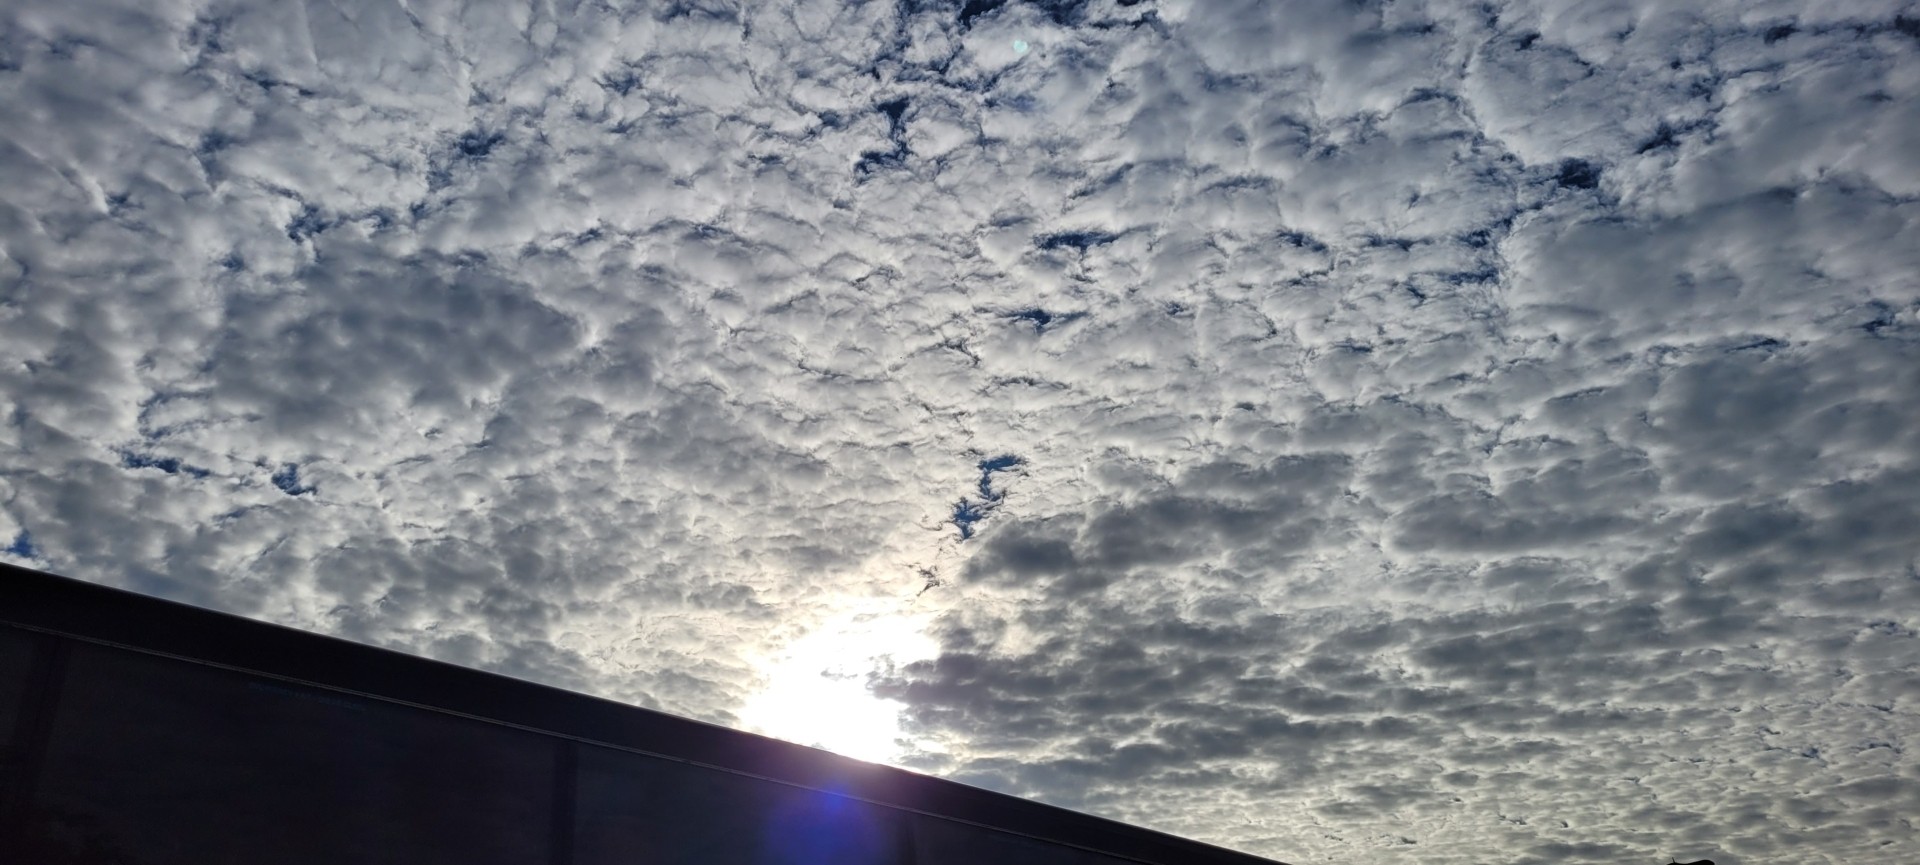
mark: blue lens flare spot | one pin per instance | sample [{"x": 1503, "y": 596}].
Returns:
[{"x": 1020, "y": 46}]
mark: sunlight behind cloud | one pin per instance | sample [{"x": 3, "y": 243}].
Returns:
[{"x": 817, "y": 694}]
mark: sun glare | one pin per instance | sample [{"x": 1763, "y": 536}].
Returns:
[{"x": 817, "y": 695}]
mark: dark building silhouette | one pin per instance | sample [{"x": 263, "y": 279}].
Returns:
[{"x": 136, "y": 731}]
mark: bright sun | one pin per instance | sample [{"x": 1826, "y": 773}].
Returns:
[{"x": 817, "y": 693}]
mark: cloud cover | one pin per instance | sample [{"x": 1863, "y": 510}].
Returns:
[{"x": 1482, "y": 432}]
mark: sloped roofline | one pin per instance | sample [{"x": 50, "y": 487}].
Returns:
[{"x": 77, "y": 609}]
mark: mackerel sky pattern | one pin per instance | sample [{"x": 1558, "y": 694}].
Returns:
[{"x": 1342, "y": 430}]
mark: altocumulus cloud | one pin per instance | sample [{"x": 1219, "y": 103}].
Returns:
[{"x": 1481, "y": 431}]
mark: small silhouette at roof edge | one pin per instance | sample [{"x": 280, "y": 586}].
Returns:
[{"x": 1698, "y": 862}]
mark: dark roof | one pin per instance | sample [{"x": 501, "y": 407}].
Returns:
[{"x": 88, "y": 611}]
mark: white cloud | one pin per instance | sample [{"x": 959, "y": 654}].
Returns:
[{"x": 1441, "y": 427}]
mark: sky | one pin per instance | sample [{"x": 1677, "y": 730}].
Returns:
[{"x": 1339, "y": 430}]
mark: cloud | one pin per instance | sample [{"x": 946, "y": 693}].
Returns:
[{"x": 1479, "y": 430}]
